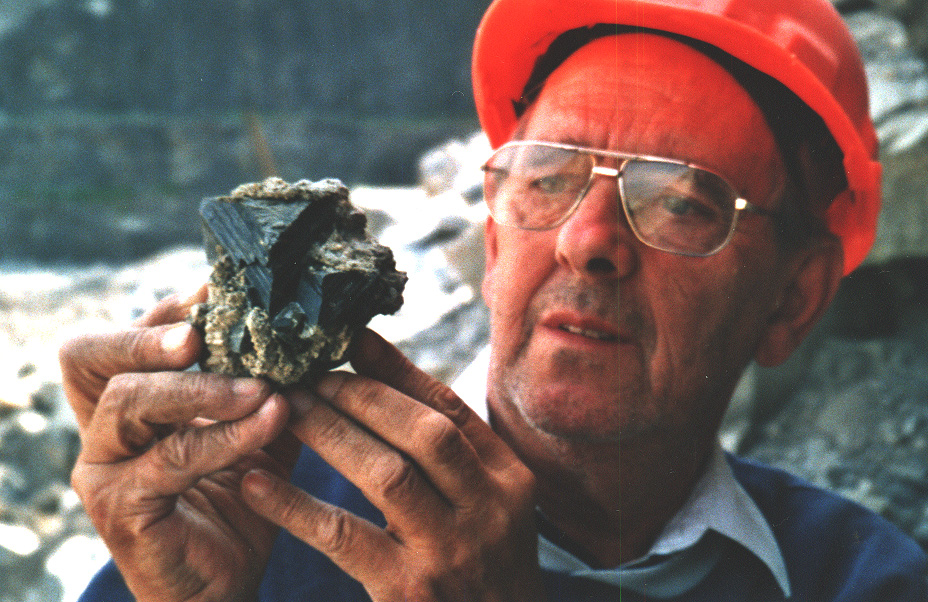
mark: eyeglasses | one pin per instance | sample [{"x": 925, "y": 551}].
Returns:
[{"x": 670, "y": 205}]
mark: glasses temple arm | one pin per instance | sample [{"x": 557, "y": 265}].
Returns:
[{"x": 744, "y": 205}]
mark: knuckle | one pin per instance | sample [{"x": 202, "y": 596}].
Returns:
[
  {"x": 447, "y": 402},
  {"x": 524, "y": 476},
  {"x": 137, "y": 346},
  {"x": 367, "y": 393},
  {"x": 213, "y": 389},
  {"x": 358, "y": 392},
  {"x": 70, "y": 354},
  {"x": 332, "y": 428},
  {"x": 175, "y": 453},
  {"x": 119, "y": 405},
  {"x": 81, "y": 378},
  {"x": 395, "y": 477},
  {"x": 76, "y": 354},
  {"x": 121, "y": 388},
  {"x": 96, "y": 508},
  {"x": 498, "y": 526},
  {"x": 288, "y": 506},
  {"x": 233, "y": 436},
  {"x": 335, "y": 532},
  {"x": 95, "y": 497},
  {"x": 190, "y": 394},
  {"x": 525, "y": 486},
  {"x": 517, "y": 476},
  {"x": 228, "y": 435},
  {"x": 441, "y": 438},
  {"x": 80, "y": 478}
]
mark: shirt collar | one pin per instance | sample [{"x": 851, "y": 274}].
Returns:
[
  {"x": 688, "y": 548},
  {"x": 685, "y": 551}
]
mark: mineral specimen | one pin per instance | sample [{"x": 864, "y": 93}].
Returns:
[{"x": 295, "y": 276}]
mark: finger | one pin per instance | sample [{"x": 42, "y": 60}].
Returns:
[
  {"x": 387, "y": 477},
  {"x": 174, "y": 464},
  {"x": 136, "y": 409},
  {"x": 147, "y": 486},
  {"x": 376, "y": 358},
  {"x": 89, "y": 361},
  {"x": 431, "y": 439},
  {"x": 173, "y": 308},
  {"x": 358, "y": 547}
]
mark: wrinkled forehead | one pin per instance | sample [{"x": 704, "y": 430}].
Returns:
[
  {"x": 630, "y": 42},
  {"x": 645, "y": 66},
  {"x": 785, "y": 115},
  {"x": 649, "y": 94}
]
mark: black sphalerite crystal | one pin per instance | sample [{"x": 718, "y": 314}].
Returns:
[{"x": 295, "y": 276}]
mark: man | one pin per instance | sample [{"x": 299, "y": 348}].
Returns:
[{"x": 682, "y": 186}]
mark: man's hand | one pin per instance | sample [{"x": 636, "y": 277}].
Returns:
[
  {"x": 459, "y": 504},
  {"x": 163, "y": 455}
]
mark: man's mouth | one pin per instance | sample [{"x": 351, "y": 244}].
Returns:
[{"x": 591, "y": 333}]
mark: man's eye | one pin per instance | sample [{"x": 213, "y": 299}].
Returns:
[
  {"x": 687, "y": 207},
  {"x": 553, "y": 184}
]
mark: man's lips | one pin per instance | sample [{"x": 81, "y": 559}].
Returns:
[
  {"x": 589, "y": 333},
  {"x": 585, "y": 326}
]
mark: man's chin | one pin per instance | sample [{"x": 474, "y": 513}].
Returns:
[
  {"x": 573, "y": 422},
  {"x": 568, "y": 396}
]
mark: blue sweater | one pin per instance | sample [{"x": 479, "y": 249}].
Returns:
[{"x": 834, "y": 550}]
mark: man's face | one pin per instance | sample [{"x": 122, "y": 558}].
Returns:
[{"x": 595, "y": 334}]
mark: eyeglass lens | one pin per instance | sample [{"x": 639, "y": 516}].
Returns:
[{"x": 670, "y": 206}]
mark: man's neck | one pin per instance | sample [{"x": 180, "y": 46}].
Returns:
[{"x": 607, "y": 502}]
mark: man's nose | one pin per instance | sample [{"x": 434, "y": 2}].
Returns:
[{"x": 593, "y": 242}]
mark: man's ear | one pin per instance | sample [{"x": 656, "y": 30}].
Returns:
[
  {"x": 490, "y": 253},
  {"x": 815, "y": 275}
]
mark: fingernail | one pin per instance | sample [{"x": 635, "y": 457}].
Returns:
[
  {"x": 176, "y": 338},
  {"x": 328, "y": 385},
  {"x": 258, "y": 483},
  {"x": 301, "y": 401},
  {"x": 270, "y": 406}
]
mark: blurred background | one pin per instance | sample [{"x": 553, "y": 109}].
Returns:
[{"x": 118, "y": 116}]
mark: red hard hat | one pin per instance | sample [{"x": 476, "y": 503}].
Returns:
[{"x": 802, "y": 43}]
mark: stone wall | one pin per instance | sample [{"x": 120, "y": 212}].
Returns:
[
  {"x": 391, "y": 57},
  {"x": 132, "y": 110}
]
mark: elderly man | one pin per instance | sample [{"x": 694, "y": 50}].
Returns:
[{"x": 677, "y": 188}]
